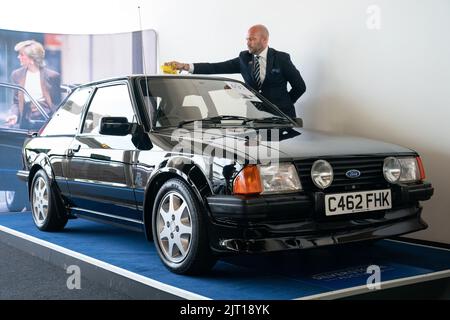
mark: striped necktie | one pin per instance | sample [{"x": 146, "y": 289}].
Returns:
[{"x": 256, "y": 72}]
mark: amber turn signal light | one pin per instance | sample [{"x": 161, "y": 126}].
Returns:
[
  {"x": 248, "y": 181},
  {"x": 421, "y": 168}
]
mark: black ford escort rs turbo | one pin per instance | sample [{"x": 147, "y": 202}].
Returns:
[{"x": 205, "y": 166}]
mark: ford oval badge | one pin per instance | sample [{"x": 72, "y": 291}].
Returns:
[{"x": 353, "y": 174}]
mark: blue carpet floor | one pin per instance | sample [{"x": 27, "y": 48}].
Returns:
[{"x": 272, "y": 276}]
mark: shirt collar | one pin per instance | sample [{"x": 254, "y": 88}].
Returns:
[{"x": 263, "y": 53}]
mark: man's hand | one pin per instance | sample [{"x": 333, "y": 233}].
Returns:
[{"x": 178, "y": 65}]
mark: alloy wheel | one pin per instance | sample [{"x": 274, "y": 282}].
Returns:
[
  {"x": 174, "y": 227},
  {"x": 40, "y": 201}
]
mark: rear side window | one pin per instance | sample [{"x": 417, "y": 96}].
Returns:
[
  {"x": 111, "y": 101},
  {"x": 67, "y": 118}
]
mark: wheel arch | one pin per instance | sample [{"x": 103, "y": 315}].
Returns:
[
  {"x": 191, "y": 174},
  {"x": 41, "y": 162}
]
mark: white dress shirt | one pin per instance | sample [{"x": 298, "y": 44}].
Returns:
[{"x": 33, "y": 85}]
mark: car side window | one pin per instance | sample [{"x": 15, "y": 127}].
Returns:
[
  {"x": 67, "y": 119},
  {"x": 111, "y": 101}
]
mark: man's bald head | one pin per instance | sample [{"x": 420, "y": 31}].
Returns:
[
  {"x": 260, "y": 29},
  {"x": 257, "y": 38}
]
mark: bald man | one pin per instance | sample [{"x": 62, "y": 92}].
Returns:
[{"x": 264, "y": 69}]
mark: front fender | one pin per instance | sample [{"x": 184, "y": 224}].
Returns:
[
  {"x": 42, "y": 161},
  {"x": 191, "y": 174}
]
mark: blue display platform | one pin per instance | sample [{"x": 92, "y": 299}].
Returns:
[{"x": 329, "y": 272}]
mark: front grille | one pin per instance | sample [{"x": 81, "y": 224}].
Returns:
[{"x": 371, "y": 169}]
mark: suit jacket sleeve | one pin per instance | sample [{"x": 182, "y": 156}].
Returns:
[
  {"x": 295, "y": 79},
  {"x": 229, "y": 66},
  {"x": 52, "y": 85}
]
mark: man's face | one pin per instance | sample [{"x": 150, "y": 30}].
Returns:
[{"x": 256, "y": 43}]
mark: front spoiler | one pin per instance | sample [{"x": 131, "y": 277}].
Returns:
[{"x": 394, "y": 228}]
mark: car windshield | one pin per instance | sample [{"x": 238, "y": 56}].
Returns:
[{"x": 183, "y": 101}]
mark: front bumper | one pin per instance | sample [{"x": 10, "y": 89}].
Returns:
[{"x": 284, "y": 222}]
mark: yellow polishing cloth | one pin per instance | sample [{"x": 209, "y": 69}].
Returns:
[{"x": 168, "y": 69}]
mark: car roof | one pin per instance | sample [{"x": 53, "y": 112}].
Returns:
[{"x": 155, "y": 76}]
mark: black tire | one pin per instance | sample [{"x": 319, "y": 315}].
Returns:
[
  {"x": 16, "y": 200},
  {"x": 49, "y": 217},
  {"x": 197, "y": 257}
]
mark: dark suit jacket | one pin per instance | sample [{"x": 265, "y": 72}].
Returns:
[
  {"x": 279, "y": 71},
  {"x": 50, "y": 84}
]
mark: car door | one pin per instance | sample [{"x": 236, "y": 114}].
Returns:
[
  {"x": 100, "y": 176},
  {"x": 12, "y": 136},
  {"x": 60, "y": 132}
]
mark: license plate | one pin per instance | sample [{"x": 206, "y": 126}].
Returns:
[{"x": 352, "y": 202}]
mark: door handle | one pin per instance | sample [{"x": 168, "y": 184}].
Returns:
[{"x": 71, "y": 152}]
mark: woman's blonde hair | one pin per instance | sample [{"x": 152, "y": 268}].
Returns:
[{"x": 32, "y": 49}]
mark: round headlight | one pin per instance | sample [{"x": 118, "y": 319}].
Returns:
[
  {"x": 322, "y": 174},
  {"x": 392, "y": 169}
]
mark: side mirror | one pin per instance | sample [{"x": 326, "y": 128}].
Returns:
[
  {"x": 299, "y": 122},
  {"x": 115, "y": 126},
  {"x": 119, "y": 126}
]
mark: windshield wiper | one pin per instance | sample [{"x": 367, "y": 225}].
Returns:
[
  {"x": 245, "y": 120},
  {"x": 215, "y": 119},
  {"x": 269, "y": 120}
]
